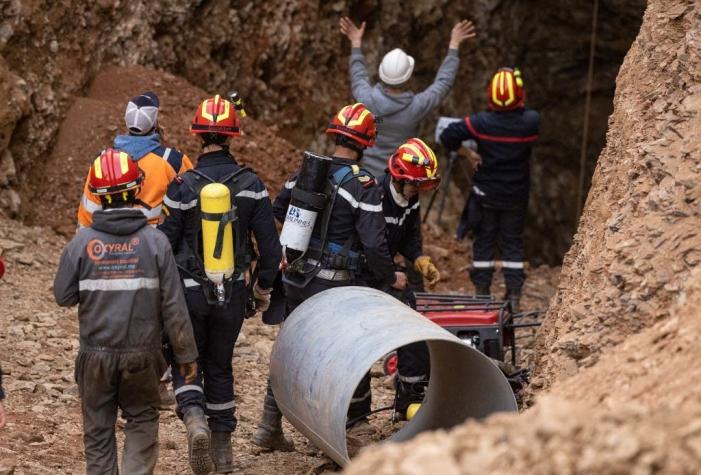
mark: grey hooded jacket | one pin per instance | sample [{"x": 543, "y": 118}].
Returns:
[
  {"x": 398, "y": 117},
  {"x": 122, "y": 274}
]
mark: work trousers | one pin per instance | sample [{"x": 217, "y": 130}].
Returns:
[
  {"x": 216, "y": 329},
  {"x": 362, "y": 398},
  {"x": 128, "y": 381},
  {"x": 502, "y": 228},
  {"x": 413, "y": 365}
]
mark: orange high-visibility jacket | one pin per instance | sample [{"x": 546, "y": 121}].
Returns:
[{"x": 160, "y": 167}]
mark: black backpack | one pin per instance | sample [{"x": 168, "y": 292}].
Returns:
[{"x": 237, "y": 181}]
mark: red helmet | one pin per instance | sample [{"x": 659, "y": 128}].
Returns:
[
  {"x": 216, "y": 116},
  {"x": 505, "y": 91},
  {"x": 355, "y": 122},
  {"x": 114, "y": 172},
  {"x": 415, "y": 162}
]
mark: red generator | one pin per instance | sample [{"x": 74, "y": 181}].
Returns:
[{"x": 485, "y": 324}]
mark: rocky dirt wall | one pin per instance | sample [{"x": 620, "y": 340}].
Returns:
[
  {"x": 290, "y": 64},
  {"x": 638, "y": 239}
]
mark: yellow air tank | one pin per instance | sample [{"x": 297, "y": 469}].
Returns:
[{"x": 215, "y": 203}]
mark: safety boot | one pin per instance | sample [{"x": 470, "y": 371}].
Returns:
[
  {"x": 408, "y": 394},
  {"x": 482, "y": 290},
  {"x": 221, "y": 452},
  {"x": 269, "y": 433},
  {"x": 198, "y": 441}
]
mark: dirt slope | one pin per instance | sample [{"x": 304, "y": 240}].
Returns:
[
  {"x": 619, "y": 349},
  {"x": 92, "y": 122}
]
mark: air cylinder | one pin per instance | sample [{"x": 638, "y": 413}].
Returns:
[
  {"x": 217, "y": 232},
  {"x": 308, "y": 200}
]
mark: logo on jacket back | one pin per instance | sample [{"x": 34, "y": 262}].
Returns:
[{"x": 98, "y": 250}]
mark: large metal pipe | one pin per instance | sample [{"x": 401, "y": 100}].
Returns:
[{"x": 330, "y": 341}]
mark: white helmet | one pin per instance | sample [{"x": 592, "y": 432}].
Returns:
[{"x": 396, "y": 67}]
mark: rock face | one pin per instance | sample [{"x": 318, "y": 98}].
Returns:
[
  {"x": 618, "y": 351},
  {"x": 289, "y": 63},
  {"x": 638, "y": 239}
]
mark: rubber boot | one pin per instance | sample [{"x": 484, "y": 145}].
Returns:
[
  {"x": 198, "y": 441},
  {"x": 269, "y": 434},
  {"x": 514, "y": 298},
  {"x": 222, "y": 454}
]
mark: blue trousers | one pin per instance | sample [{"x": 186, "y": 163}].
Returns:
[{"x": 216, "y": 330}]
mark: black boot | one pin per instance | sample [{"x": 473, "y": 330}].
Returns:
[
  {"x": 514, "y": 298},
  {"x": 221, "y": 452},
  {"x": 198, "y": 436},
  {"x": 408, "y": 393},
  {"x": 269, "y": 434}
]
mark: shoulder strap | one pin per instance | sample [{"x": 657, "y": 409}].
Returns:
[
  {"x": 195, "y": 180},
  {"x": 239, "y": 180}
]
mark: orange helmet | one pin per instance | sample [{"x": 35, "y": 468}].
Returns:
[
  {"x": 415, "y": 162},
  {"x": 216, "y": 116},
  {"x": 505, "y": 91},
  {"x": 355, "y": 122},
  {"x": 114, "y": 172}
]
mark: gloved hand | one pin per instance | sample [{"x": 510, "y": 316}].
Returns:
[
  {"x": 188, "y": 371},
  {"x": 262, "y": 297},
  {"x": 425, "y": 267}
]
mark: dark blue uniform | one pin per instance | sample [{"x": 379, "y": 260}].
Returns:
[
  {"x": 217, "y": 327},
  {"x": 356, "y": 222},
  {"x": 403, "y": 222},
  {"x": 496, "y": 209}
]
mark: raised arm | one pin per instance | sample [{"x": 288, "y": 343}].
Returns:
[
  {"x": 431, "y": 98},
  {"x": 360, "y": 81}
]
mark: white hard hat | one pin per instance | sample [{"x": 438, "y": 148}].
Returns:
[{"x": 396, "y": 67}]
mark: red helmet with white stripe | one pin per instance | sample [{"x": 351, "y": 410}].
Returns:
[{"x": 505, "y": 91}]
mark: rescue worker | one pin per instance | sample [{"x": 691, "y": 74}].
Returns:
[
  {"x": 413, "y": 168},
  {"x": 353, "y": 227},
  {"x": 217, "y": 323},
  {"x": 160, "y": 164},
  {"x": 122, "y": 274},
  {"x": 496, "y": 208},
  {"x": 398, "y": 110}
]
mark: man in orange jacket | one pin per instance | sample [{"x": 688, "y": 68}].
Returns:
[{"x": 160, "y": 164}]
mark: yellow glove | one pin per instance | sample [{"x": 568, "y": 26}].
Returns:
[{"x": 425, "y": 267}]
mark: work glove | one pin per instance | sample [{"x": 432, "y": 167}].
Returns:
[
  {"x": 425, "y": 267},
  {"x": 262, "y": 297},
  {"x": 188, "y": 371}
]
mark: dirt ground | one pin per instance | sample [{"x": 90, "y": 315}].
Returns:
[{"x": 38, "y": 342}]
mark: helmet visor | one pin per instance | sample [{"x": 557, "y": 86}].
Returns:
[{"x": 425, "y": 184}]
